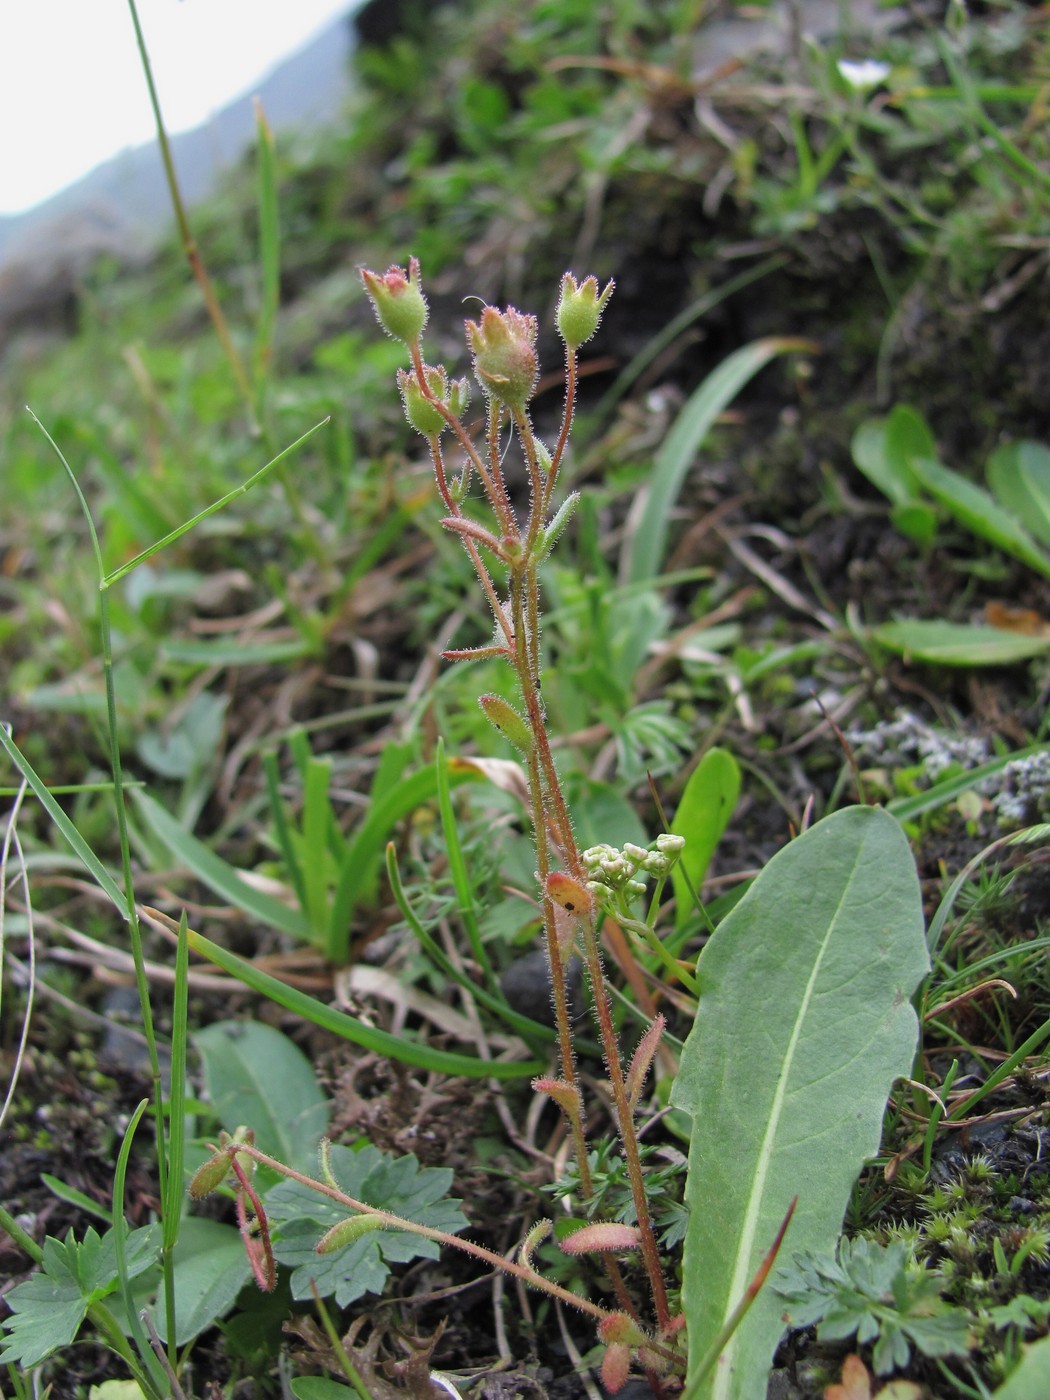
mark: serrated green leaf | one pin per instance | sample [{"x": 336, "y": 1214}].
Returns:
[
  {"x": 803, "y": 1023},
  {"x": 48, "y": 1308},
  {"x": 399, "y": 1185}
]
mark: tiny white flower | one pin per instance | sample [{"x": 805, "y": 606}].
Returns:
[{"x": 865, "y": 75}]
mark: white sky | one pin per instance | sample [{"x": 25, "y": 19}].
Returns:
[{"x": 72, "y": 92}]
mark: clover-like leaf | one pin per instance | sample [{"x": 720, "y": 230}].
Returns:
[{"x": 399, "y": 1185}]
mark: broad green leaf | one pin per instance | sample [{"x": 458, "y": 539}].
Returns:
[
  {"x": 958, "y": 643},
  {"x": 882, "y": 460},
  {"x": 256, "y": 1076},
  {"x": 218, "y": 874},
  {"x": 1031, "y": 1378},
  {"x": 917, "y": 520},
  {"x": 708, "y": 802},
  {"x": 643, "y": 556},
  {"x": 1019, "y": 475},
  {"x": 803, "y": 1023},
  {"x": 211, "y": 1268},
  {"x": 978, "y": 511}
]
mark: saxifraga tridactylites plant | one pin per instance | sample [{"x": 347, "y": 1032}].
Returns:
[
  {"x": 575, "y": 886},
  {"x": 503, "y": 346}
]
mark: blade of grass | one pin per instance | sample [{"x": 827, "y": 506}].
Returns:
[
  {"x": 359, "y": 875},
  {"x": 530, "y": 1029},
  {"x": 457, "y": 866},
  {"x": 219, "y": 875},
  {"x": 644, "y": 550},
  {"x": 316, "y": 812},
  {"x": 108, "y": 580},
  {"x": 282, "y": 829},
  {"x": 395, "y": 1047},
  {"x": 176, "y": 1193},
  {"x": 120, "y": 1232},
  {"x": 269, "y": 257}
]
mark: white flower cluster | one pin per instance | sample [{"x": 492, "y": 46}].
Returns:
[{"x": 610, "y": 870}]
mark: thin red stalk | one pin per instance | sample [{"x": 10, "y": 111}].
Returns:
[
  {"x": 566, "y": 423},
  {"x": 427, "y": 1232},
  {"x": 625, "y": 1122}
]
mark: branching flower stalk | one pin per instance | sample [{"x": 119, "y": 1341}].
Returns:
[{"x": 503, "y": 347}]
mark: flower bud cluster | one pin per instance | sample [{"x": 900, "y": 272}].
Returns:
[{"x": 612, "y": 871}]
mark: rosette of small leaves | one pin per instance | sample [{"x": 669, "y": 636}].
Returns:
[
  {"x": 881, "y": 1295},
  {"x": 299, "y": 1217}
]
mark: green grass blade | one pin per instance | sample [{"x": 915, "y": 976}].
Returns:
[
  {"x": 461, "y": 881},
  {"x": 643, "y": 555},
  {"x": 269, "y": 250},
  {"x": 394, "y": 1047},
  {"x": 359, "y": 876},
  {"x": 86, "y": 855},
  {"x": 906, "y": 809},
  {"x": 281, "y": 828},
  {"x": 524, "y": 1025},
  {"x": 218, "y": 874},
  {"x": 110, "y": 579},
  {"x": 316, "y": 813},
  {"x": 120, "y": 1232}
]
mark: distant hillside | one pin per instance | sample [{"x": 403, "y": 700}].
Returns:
[{"x": 122, "y": 205}]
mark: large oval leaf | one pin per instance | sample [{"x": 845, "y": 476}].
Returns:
[{"x": 803, "y": 1023}]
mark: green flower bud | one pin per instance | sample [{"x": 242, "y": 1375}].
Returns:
[
  {"x": 504, "y": 350},
  {"x": 209, "y": 1176},
  {"x": 349, "y": 1230},
  {"x": 580, "y": 309},
  {"x": 398, "y": 301},
  {"x": 420, "y": 412},
  {"x": 459, "y": 397},
  {"x": 504, "y": 717}
]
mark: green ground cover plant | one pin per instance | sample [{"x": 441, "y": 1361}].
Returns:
[{"x": 371, "y": 848}]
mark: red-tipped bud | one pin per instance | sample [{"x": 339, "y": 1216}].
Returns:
[
  {"x": 564, "y": 1094},
  {"x": 398, "y": 301},
  {"x": 643, "y": 1058},
  {"x": 423, "y": 415},
  {"x": 616, "y": 1366},
  {"x": 569, "y": 894},
  {"x": 580, "y": 309},
  {"x": 618, "y": 1327},
  {"x": 607, "y": 1234},
  {"x": 504, "y": 350}
]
